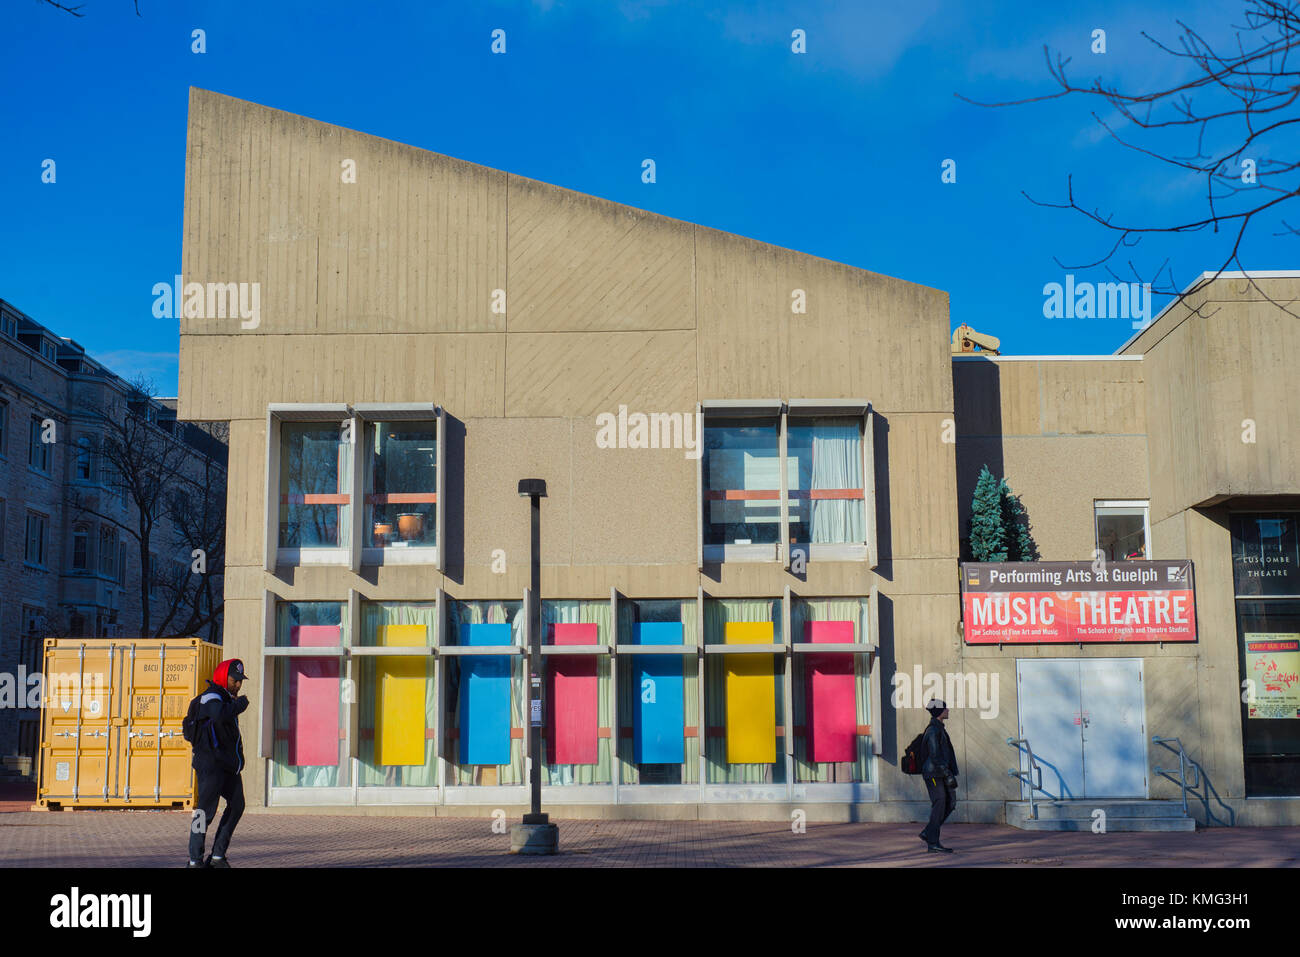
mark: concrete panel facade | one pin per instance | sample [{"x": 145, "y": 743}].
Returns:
[{"x": 525, "y": 311}]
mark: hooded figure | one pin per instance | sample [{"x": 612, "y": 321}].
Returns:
[
  {"x": 939, "y": 770},
  {"x": 218, "y": 760}
]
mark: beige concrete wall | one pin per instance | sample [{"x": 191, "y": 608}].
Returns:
[
  {"x": 1217, "y": 365},
  {"x": 1062, "y": 432},
  {"x": 382, "y": 291}
]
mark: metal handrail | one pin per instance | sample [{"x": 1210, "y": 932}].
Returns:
[
  {"x": 1026, "y": 776},
  {"x": 1185, "y": 761}
]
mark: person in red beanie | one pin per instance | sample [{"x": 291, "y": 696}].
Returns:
[{"x": 218, "y": 761}]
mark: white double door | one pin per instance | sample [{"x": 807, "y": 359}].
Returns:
[{"x": 1085, "y": 718}]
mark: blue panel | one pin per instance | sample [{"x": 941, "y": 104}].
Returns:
[
  {"x": 659, "y": 715},
  {"x": 485, "y": 697}
]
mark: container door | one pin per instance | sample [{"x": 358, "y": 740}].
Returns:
[
  {"x": 78, "y": 699},
  {"x": 1048, "y": 693},
  {"x": 1113, "y": 719}
]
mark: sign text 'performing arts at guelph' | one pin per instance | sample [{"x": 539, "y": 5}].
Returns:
[{"x": 1031, "y": 602}]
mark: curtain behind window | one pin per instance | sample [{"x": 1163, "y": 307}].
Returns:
[
  {"x": 373, "y": 618},
  {"x": 717, "y": 612}
]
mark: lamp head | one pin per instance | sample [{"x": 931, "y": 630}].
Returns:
[{"x": 530, "y": 487}]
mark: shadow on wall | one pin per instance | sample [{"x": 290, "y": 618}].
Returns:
[
  {"x": 977, "y": 411},
  {"x": 453, "y": 509}
]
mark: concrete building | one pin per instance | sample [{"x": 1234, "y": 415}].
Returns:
[
  {"x": 68, "y": 563},
  {"x": 745, "y": 448}
]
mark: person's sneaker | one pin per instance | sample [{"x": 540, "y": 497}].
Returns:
[
  {"x": 936, "y": 848},
  {"x": 216, "y": 862},
  {"x": 197, "y": 864}
]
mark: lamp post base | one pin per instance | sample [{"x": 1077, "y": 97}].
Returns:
[{"x": 534, "y": 838}]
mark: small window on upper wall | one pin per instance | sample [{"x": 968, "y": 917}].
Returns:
[
  {"x": 401, "y": 484},
  {"x": 315, "y": 485},
  {"x": 827, "y": 501},
  {"x": 1122, "y": 529},
  {"x": 741, "y": 482}
]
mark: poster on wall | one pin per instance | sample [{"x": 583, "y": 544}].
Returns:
[
  {"x": 1077, "y": 602},
  {"x": 1273, "y": 664}
]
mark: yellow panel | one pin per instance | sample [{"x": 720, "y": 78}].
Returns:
[
  {"x": 751, "y": 696},
  {"x": 400, "y": 685}
]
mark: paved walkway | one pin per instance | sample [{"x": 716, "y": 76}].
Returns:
[{"x": 158, "y": 839}]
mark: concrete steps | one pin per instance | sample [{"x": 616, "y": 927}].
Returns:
[{"x": 1134, "y": 815}]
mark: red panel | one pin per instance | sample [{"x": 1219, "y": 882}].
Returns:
[
  {"x": 314, "y": 698},
  {"x": 830, "y": 699},
  {"x": 575, "y": 634},
  {"x": 573, "y": 698}
]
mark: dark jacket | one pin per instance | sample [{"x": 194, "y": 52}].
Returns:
[
  {"x": 217, "y": 743},
  {"x": 940, "y": 759}
]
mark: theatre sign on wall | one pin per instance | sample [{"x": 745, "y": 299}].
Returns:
[{"x": 1072, "y": 602}]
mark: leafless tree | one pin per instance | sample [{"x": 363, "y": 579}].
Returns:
[
  {"x": 161, "y": 477},
  {"x": 75, "y": 11},
  {"x": 1236, "y": 117}
]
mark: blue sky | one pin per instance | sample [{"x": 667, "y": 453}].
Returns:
[{"x": 836, "y": 152}]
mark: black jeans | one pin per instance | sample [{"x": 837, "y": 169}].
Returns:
[
  {"x": 213, "y": 784},
  {"x": 942, "y": 800}
]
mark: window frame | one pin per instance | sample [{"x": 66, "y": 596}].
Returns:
[
  {"x": 783, "y": 411},
  {"x": 356, "y": 552},
  {"x": 370, "y": 412},
  {"x": 279, "y": 414},
  {"x": 34, "y": 441},
  {"x": 82, "y": 532},
  {"x": 41, "y": 544},
  {"x": 1128, "y": 503}
]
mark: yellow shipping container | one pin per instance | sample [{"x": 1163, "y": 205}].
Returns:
[{"x": 111, "y": 715}]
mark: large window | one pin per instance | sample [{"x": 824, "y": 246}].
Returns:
[
  {"x": 36, "y": 531},
  {"x": 658, "y": 693},
  {"x": 483, "y": 705},
  {"x": 315, "y": 485},
  {"x": 4, "y": 427},
  {"x": 401, "y": 484},
  {"x": 742, "y": 482},
  {"x": 309, "y": 716},
  {"x": 827, "y": 502},
  {"x": 397, "y": 695},
  {"x": 744, "y": 692},
  {"x": 788, "y": 481},
  {"x": 357, "y": 484},
  {"x": 831, "y": 691},
  {"x": 1122, "y": 530},
  {"x": 579, "y": 721},
  {"x": 1266, "y": 575}
]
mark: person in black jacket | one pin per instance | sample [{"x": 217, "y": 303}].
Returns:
[
  {"x": 218, "y": 760},
  {"x": 940, "y": 772}
]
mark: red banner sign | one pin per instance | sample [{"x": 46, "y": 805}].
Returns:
[{"x": 1073, "y": 602}]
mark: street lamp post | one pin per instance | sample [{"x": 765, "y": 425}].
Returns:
[{"x": 536, "y": 835}]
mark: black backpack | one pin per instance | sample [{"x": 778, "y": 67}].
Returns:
[
  {"x": 915, "y": 755},
  {"x": 190, "y": 724}
]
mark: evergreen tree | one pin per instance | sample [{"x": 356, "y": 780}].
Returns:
[
  {"x": 987, "y": 532},
  {"x": 1020, "y": 543}
]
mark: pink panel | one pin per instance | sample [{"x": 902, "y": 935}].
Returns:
[
  {"x": 573, "y": 698},
  {"x": 830, "y": 700},
  {"x": 575, "y": 634},
  {"x": 837, "y": 632},
  {"x": 314, "y": 698}
]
